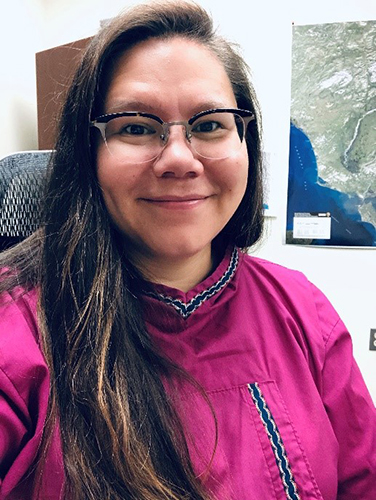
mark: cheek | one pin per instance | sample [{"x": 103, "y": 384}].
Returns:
[
  {"x": 102, "y": 161},
  {"x": 244, "y": 167},
  {"x": 235, "y": 176},
  {"x": 113, "y": 177},
  {"x": 113, "y": 185},
  {"x": 107, "y": 171}
]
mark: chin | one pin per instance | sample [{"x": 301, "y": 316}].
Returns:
[{"x": 182, "y": 251}]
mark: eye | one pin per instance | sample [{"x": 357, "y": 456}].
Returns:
[
  {"x": 130, "y": 127},
  {"x": 136, "y": 129},
  {"x": 206, "y": 126}
]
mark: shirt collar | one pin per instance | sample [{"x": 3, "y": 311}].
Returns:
[{"x": 186, "y": 303}]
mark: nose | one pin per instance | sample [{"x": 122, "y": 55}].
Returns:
[{"x": 177, "y": 158}]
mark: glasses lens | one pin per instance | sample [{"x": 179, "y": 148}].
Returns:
[
  {"x": 134, "y": 138},
  {"x": 217, "y": 135},
  {"x": 138, "y": 139}
]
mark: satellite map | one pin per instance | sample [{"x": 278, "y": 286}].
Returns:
[{"x": 333, "y": 134}]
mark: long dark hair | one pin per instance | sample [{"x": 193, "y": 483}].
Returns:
[{"x": 121, "y": 435}]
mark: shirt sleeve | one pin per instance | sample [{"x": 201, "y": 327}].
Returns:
[
  {"x": 349, "y": 407},
  {"x": 15, "y": 424},
  {"x": 24, "y": 389}
]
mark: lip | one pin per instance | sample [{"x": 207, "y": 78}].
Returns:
[{"x": 177, "y": 202}]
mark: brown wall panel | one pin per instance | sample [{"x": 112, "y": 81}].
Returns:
[{"x": 54, "y": 70}]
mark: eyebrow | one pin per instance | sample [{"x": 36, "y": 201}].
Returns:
[
  {"x": 205, "y": 105},
  {"x": 122, "y": 105},
  {"x": 135, "y": 105}
]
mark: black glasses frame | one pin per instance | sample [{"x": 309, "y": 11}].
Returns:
[
  {"x": 101, "y": 121},
  {"x": 245, "y": 115}
]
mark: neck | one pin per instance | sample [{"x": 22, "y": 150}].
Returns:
[{"x": 182, "y": 273}]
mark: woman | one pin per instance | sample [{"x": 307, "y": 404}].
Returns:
[{"x": 150, "y": 357}]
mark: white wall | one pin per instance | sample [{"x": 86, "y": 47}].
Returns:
[
  {"x": 263, "y": 29},
  {"x": 19, "y": 39}
]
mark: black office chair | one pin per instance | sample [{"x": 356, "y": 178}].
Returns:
[{"x": 22, "y": 179}]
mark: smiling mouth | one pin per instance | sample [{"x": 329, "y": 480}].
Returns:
[{"x": 175, "y": 202}]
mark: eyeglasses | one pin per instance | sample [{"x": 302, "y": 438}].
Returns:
[{"x": 140, "y": 137}]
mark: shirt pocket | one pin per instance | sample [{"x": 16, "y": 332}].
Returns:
[{"x": 285, "y": 459}]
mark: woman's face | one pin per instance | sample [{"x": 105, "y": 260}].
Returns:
[{"x": 173, "y": 206}]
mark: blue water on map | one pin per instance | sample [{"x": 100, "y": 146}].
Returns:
[{"x": 307, "y": 193}]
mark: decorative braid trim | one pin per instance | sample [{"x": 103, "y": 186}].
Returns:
[
  {"x": 276, "y": 443},
  {"x": 185, "y": 309}
]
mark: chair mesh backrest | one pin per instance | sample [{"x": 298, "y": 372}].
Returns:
[{"x": 22, "y": 179}]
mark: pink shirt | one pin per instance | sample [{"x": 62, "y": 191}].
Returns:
[{"x": 295, "y": 420}]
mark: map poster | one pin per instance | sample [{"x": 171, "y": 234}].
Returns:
[{"x": 332, "y": 162}]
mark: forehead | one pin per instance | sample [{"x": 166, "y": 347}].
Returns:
[{"x": 173, "y": 74}]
